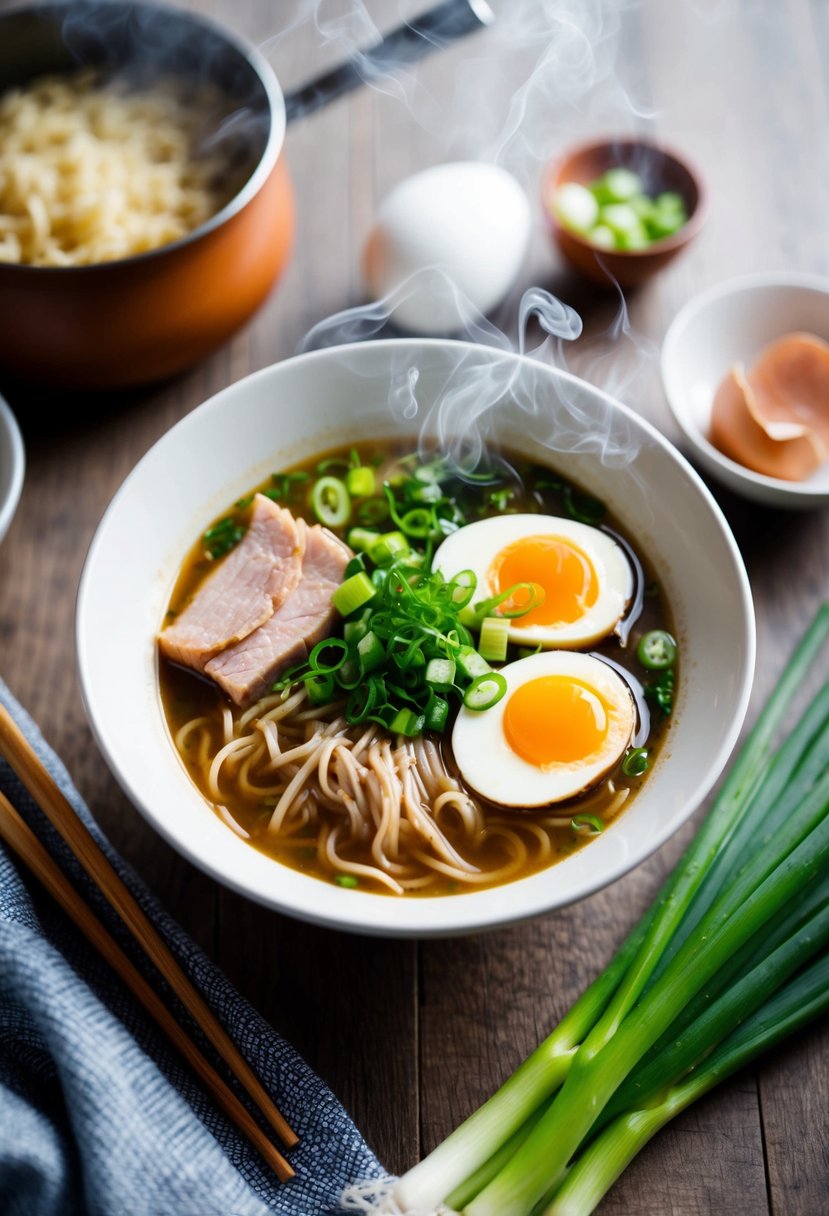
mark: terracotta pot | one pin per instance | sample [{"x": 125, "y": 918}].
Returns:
[{"x": 139, "y": 319}]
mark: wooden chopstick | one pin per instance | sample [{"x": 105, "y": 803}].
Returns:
[
  {"x": 27, "y": 846},
  {"x": 15, "y": 748}
]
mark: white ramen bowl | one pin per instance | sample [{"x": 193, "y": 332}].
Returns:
[
  {"x": 340, "y": 395},
  {"x": 12, "y": 466}
]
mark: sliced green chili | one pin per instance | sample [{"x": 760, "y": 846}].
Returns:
[{"x": 656, "y": 650}]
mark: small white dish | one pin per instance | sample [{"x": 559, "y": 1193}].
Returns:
[
  {"x": 731, "y": 323},
  {"x": 346, "y": 394},
  {"x": 12, "y": 466}
]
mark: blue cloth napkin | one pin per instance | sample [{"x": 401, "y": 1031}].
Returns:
[{"x": 98, "y": 1114}]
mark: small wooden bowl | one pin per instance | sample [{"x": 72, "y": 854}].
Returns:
[{"x": 660, "y": 169}]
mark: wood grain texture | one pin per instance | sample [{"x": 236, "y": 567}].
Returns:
[{"x": 412, "y": 1037}]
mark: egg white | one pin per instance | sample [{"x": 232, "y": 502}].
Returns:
[
  {"x": 488, "y": 764},
  {"x": 475, "y": 547}
]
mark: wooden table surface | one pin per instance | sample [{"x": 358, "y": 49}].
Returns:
[{"x": 413, "y": 1036}]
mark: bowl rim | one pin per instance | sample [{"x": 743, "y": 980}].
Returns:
[
  {"x": 264, "y": 166},
  {"x": 12, "y": 492},
  {"x": 358, "y": 912},
  {"x": 739, "y": 285},
  {"x": 665, "y": 244}
]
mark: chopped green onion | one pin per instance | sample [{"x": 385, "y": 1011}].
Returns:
[
  {"x": 603, "y": 237},
  {"x": 285, "y": 484},
  {"x": 492, "y": 644},
  {"x": 437, "y": 711},
  {"x": 320, "y": 688},
  {"x": 636, "y": 762},
  {"x": 363, "y": 538},
  {"x": 419, "y": 522},
  {"x": 360, "y": 481},
  {"x": 346, "y": 880},
  {"x": 614, "y": 211},
  {"x": 354, "y": 566},
  {"x": 583, "y": 508},
  {"x": 389, "y": 547},
  {"x": 591, "y": 822},
  {"x": 575, "y": 206},
  {"x": 348, "y": 676},
  {"x": 331, "y": 502},
  {"x": 440, "y": 674},
  {"x": 402, "y": 624},
  {"x": 405, "y": 722},
  {"x": 222, "y": 537},
  {"x": 500, "y": 498},
  {"x": 656, "y": 650},
  {"x": 533, "y": 591},
  {"x": 462, "y": 588},
  {"x": 527, "y": 652},
  {"x": 617, "y": 186},
  {"x": 366, "y": 698},
  {"x": 428, "y": 492},
  {"x": 485, "y": 691},
  {"x": 353, "y": 593},
  {"x": 331, "y": 462},
  {"x": 373, "y": 511},
  {"x": 336, "y": 651},
  {"x": 371, "y": 652},
  {"x": 471, "y": 663},
  {"x": 428, "y": 473},
  {"x": 354, "y": 630},
  {"x": 660, "y": 692}
]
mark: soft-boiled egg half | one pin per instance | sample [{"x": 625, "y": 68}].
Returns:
[
  {"x": 584, "y": 576},
  {"x": 565, "y": 720}
]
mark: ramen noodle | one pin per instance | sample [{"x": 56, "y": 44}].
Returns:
[{"x": 92, "y": 172}]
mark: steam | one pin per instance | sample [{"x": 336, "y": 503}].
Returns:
[
  {"x": 555, "y": 318},
  {"x": 345, "y": 33},
  {"x": 618, "y": 359},
  {"x": 577, "y": 81},
  {"x": 462, "y": 418},
  {"x": 432, "y": 283}
]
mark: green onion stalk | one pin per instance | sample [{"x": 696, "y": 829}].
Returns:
[
  {"x": 590, "y": 1178},
  {"x": 708, "y": 979}
]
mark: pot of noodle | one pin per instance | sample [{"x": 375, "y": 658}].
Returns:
[{"x": 146, "y": 208}]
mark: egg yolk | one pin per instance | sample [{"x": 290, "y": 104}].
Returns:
[
  {"x": 562, "y": 571},
  {"x": 555, "y": 720}
]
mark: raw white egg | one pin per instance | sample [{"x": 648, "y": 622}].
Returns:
[
  {"x": 583, "y": 573},
  {"x": 563, "y": 723},
  {"x": 448, "y": 236}
]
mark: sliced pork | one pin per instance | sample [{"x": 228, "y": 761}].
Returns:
[
  {"x": 243, "y": 592},
  {"x": 246, "y": 670}
]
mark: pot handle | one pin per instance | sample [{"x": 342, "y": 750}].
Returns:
[{"x": 431, "y": 31}]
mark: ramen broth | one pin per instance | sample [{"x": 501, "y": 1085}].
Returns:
[{"x": 548, "y": 834}]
